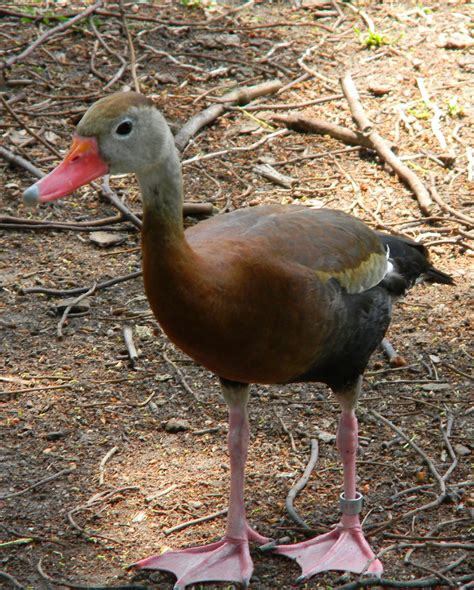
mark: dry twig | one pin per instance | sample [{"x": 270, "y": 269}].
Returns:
[
  {"x": 440, "y": 480},
  {"x": 59, "y": 330},
  {"x": 95, "y": 501},
  {"x": 106, "y": 46},
  {"x": 300, "y": 484},
  {"x": 188, "y": 523},
  {"x": 182, "y": 378},
  {"x": 38, "y": 483},
  {"x": 49, "y": 33},
  {"x": 13, "y": 581},
  {"x": 381, "y": 146},
  {"x": 245, "y": 148},
  {"x": 434, "y": 193},
  {"x": 133, "y": 61},
  {"x": 131, "y": 349},
  {"x": 79, "y": 290},
  {"x": 103, "y": 463},
  {"x": 30, "y": 131}
]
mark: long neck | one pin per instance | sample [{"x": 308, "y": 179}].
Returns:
[
  {"x": 162, "y": 193},
  {"x": 180, "y": 283},
  {"x": 172, "y": 271}
]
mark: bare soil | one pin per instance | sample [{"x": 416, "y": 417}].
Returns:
[{"x": 75, "y": 410}]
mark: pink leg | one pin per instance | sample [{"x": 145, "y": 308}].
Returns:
[
  {"x": 227, "y": 559},
  {"x": 345, "y": 547}
]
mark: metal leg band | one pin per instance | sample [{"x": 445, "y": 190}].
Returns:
[{"x": 351, "y": 507}]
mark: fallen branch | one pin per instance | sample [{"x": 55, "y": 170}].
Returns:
[
  {"x": 415, "y": 447},
  {"x": 15, "y": 542},
  {"x": 209, "y": 115},
  {"x": 8, "y": 394},
  {"x": 302, "y": 124},
  {"x": 381, "y": 146},
  {"x": 386, "y": 583},
  {"x": 286, "y": 430},
  {"x": 300, "y": 484},
  {"x": 109, "y": 50},
  {"x": 52, "y": 226},
  {"x": 93, "y": 223},
  {"x": 19, "y": 161},
  {"x": 407, "y": 561},
  {"x": 21, "y": 223},
  {"x": 243, "y": 96}
]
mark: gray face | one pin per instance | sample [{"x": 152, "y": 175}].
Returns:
[{"x": 132, "y": 135}]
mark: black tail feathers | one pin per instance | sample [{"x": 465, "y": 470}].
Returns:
[
  {"x": 411, "y": 260},
  {"x": 433, "y": 275}
]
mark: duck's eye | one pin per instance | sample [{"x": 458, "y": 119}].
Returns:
[{"x": 125, "y": 128}]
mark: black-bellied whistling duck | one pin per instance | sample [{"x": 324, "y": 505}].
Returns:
[{"x": 271, "y": 294}]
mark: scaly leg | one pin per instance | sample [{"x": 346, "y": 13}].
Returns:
[
  {"x": 228, "y": 559},
  {"x": 345, "y": 547}
]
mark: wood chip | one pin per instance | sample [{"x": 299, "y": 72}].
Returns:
[
  {"x": 105, "y": 239},
  {"x": 456, "y": 41},
  {"x": 274, "y": 176}
]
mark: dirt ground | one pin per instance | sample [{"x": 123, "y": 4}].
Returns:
[{"x": 92, "y": 472}]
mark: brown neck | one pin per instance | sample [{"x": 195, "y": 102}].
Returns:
[{"x": 177, "y": 280}]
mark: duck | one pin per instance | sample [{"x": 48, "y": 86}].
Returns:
[{"x": 272, "y": 294}]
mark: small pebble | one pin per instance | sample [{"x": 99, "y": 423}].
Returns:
[
  {"x": 462, "y": 450},
  {"x": 326, "y": 437},
  {"x": 105, "y": 239},
  {"x": 379, "y": 89},
  {"x": 153, "y": 408},
  {"x": 56, "y": 435},
  {"x": 456, "y": 41},
  {"x": 177, "y": 425}
]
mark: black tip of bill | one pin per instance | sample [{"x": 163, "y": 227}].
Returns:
[{"x": 31, "y": 196}]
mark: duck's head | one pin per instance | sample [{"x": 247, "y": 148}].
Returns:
[{"x": 119, "y": 133}]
